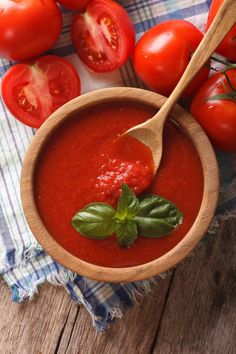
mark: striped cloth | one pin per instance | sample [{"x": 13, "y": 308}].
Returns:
[{"x": 23, "y": 263}]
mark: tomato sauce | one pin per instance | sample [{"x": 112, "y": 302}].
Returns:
[{"x": 86, "y": 160}]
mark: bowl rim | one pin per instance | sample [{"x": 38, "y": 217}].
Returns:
[{"x": 169, "y": 259}]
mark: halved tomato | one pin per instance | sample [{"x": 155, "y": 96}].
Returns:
[
  {"x": 103, "y": 36},
  {"x": 32, "y": 91}
]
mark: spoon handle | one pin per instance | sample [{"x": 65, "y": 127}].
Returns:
[{"x": 223, "y": 22}]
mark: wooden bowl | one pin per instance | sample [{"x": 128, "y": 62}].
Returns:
[{"x": 157, "y": 266}]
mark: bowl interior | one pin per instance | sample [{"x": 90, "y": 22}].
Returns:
[{"x": 206, "y": 212}]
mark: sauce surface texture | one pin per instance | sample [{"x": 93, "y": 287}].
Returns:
[{"x": 85, "y": 161}]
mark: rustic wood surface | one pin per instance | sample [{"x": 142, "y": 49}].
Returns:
[{"x": 191, "y": 311}]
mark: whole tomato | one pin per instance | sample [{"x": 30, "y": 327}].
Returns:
[
  {"x": 74, "y": 4},
  {"x": 28, "y": 28},
  {"x": 227, "y": 47},
  {"x": 214, "y": 107},
  {"x": 163, "y": 53}
]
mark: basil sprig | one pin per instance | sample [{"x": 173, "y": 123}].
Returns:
[
  {"x": 157, "y": 216},
  {"x": 128, "y": 205},
  {"x": 96, "y": 220},
  {"x": 150, "y": 216}
]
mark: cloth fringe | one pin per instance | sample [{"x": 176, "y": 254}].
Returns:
[
  {"x": 139, "y": 291},
  {"x": 62, "y": 277},
  {"x": 59, "y": 278},
  {"x": 219, "y": 219},
  {"x": 21, "y": 257},
  {"x": 136, "y": 292},
  {"x": 217, "y": 222}
]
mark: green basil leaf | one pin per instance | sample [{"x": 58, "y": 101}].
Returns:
[
  {"x": 126, "y": 233},
  {"x": 128, "y": 205},
  {"x": 95, "y": 220},
  {"x": 157, "y": 217}
]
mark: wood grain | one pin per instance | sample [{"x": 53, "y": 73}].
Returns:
[
  {"x": 150, "y": 132},
  {"x": 33, "y": 327},
  {"x": 168, "y": 260},
  {"x": 133, "y": 334},
  {"x": 200, "y": 315},
  {"x": 192, "y": 311},
  {"x": 52, "y": 323}
]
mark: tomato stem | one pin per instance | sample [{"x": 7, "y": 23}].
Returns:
[
  {"x": 228, "y": 95},
  {"x": 224, "y": 62},
  {"x": 223, "y": 96},
  {"x": 229, "y": 81},
  {"x": 229, "y": 67},
  {"x": 221, "y": 61}
]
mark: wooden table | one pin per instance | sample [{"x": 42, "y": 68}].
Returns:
[{"x": 191, "y": 311}]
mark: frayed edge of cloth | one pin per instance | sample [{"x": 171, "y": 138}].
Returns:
[
  {"x": 61, "y": 277},
  {"x": 136, "y": 292},
  {"x": 58, "y": 278},
  {"x": 136, "y": 295},
  {"x": 21, "y": 257},
  {"x": 219, "y": 219},
  {"x": 64, "y": 277},
  {"x": 217, "y": 222}
]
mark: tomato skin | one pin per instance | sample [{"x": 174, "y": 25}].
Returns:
[
  {"x": 28, "y": 28},
  {"x": 34, "y": 90},
  {"x": 227, "y": 47},
  {"x": 217, "y": 117},
  {"x": 163, "y": 53},
  {"x": 74, "y": 4},
  {"x": 103, "y": 36}
]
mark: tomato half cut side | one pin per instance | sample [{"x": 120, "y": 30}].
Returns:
[
  {"x": 103, "y": 36},
  {"x": 32, "y": 91}
]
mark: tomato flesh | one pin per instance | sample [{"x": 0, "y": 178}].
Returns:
[
  {"x": 227, "y": 47},
  {"x": 217, "y": 117},
  {"x": 32, "y": 91},
  {"x": 136, "y": 169},
  {"x": 21, "y": 95},
  {"x": 103, "y": 36}
]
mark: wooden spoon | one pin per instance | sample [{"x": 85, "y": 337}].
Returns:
[{"x": 150, "y": 133}]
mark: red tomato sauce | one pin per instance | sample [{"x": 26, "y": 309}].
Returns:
[{"x": 85, "y": 161}]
